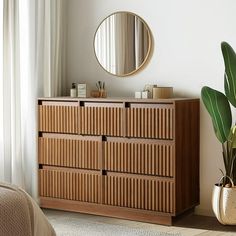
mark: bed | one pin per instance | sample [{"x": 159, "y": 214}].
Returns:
[{"x": 20, "y": 215}]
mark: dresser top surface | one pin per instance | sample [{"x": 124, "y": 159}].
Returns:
[{"x": 117, "y": 99}]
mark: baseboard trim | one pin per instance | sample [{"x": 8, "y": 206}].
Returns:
[{"x": 203, "y": 212}]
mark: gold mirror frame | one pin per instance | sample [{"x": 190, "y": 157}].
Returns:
[{"x": 149, "y": 41}]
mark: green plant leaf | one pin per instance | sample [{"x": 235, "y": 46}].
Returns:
[
  {"x": 218, "y": 107},
  {"x": 232, "y": 137},
  {"x": 230, "y": 72}
]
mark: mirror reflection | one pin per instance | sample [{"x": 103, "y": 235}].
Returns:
[{"x": 122, "y": 43}]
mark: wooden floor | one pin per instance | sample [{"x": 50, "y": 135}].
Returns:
[
  {"x": 188, "y": 225},
  {"x": 202, "y": 226}
]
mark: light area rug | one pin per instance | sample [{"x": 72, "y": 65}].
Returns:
[{"x": 73, "y": 224}]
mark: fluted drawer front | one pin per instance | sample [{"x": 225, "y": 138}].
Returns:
[
  {"x": 69, "y": 152},
  {"x": 70, "y": 185},
  {"x": 150, "y": 122},
  {"x": 138, "y": 193},
  {"x": 139, "y": 158},
  {"x": 58, "y": 118},
  {"x": 101, "y": 121}
]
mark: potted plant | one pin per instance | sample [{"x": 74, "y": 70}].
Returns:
[{"x": 218, "y": 106}]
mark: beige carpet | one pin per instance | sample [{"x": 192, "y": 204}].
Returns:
[{"x": 72, "y": 224}]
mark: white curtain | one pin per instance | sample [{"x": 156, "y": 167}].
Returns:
[
  {"x": 33, "y": 66},
  {"x": 50, "y": 44},
  {"x": 1, "y": 91},
  {"x": 105, "y": 42}
]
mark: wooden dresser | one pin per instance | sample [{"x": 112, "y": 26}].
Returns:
[{"x": 136, "y": 159}]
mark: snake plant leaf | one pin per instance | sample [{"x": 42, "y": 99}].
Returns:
[
  {"x": 230, "y": 72},
  {"x": 218, "y": 107}
]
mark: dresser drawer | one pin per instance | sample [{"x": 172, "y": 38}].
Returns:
[
  {"x": 150, "y": 121},
  {"x": 70, "y": 151},
  {"x": 70, "y": 185},
  {"x": 139, "y": 156},
  {"x": 101, "y": 119},
  {"x": 139, "y": 193},
  {"x": 58, "y": 117}
]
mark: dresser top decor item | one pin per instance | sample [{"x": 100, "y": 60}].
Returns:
[{"x": 162, "y": 92}]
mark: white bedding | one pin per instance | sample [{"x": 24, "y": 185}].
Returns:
[{"x": 20, "y": 215}]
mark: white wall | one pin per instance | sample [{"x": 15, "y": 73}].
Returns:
[{"x": 186, "y": 55}]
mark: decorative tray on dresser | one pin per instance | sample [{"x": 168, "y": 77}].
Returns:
[{"x": 135, "y": 159}]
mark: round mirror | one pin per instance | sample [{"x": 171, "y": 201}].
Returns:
[{"x": 122, "y": 43}]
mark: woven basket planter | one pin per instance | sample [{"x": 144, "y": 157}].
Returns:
[{"x": 224, "y": 203}]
